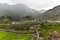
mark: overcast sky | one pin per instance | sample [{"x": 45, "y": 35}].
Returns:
[{"x": 35, "y": 4}]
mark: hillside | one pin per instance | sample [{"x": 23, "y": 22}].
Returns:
[
  {"x": 17, "y": 11},
  {"x": 52, "y": 14}
]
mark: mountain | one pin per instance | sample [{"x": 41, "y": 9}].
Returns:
[
  {"x": 52, "y": 14},
  {"x": 42, "y": 11},
  {"x": 17, "y": 11}
]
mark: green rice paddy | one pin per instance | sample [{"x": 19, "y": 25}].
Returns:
[{"x": 13, "y": 36}]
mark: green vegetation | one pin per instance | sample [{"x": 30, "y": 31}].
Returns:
[
  {"x": 18, "y": 26},
  {"x": 25, "y": 37},
  {"x": 45, "y": 29},
  {"x": 2, "y": 34},
  {"x": 13, "y": 36}
]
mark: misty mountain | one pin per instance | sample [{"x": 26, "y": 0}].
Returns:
[
  {"x": 42, "y": 11},
  {"x": 17, "y": 11},
  {"x": 52, "y": 14}
]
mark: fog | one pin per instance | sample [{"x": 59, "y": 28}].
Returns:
[{"x": 35, "y": 4}]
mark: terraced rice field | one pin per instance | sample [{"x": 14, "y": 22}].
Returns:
[{"x": 13, "y": 36}]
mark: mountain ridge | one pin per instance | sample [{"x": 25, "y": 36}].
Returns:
[
  {"x": 52, "y": 14},
  {"x": 18, "y": 11}
]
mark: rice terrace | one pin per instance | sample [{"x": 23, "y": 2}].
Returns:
[{"x": 28, "y": 30}]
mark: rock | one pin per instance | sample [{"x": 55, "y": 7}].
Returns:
[
  {"x": 54, "y": 36},
  {"x": 41, "y": 38}
]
